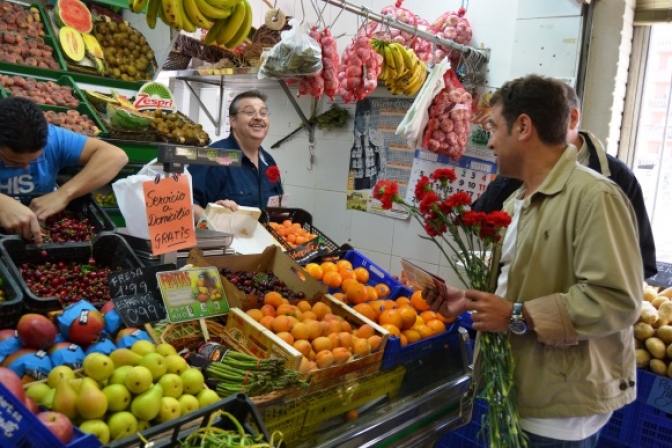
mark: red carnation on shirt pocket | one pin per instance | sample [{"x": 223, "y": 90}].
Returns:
[{"x": 273, "y": 174}]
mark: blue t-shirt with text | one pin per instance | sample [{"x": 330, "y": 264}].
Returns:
[{"x": 63, "y": 149}]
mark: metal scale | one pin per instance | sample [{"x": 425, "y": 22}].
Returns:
[{"x": 174, "y": 158}]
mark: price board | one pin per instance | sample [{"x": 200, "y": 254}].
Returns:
[
  {"x": 137, "y": 281},
  {"x": 139, "y": 309}
]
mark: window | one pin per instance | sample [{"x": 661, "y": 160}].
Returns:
[{"x": 652, "y": 132}]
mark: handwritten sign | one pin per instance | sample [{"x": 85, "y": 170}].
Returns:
[
  {"x": 192, "y": 294},
  {"x": 137, "y": 281},
  {"x": 169, "y": 216},
  {"x": 660, "y": 396},
  {"x": 664, "y": 275},
  {"x": 305, "y": 253},
  {"x": 139, "y": 309}
]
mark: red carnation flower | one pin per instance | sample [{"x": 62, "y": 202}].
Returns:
[
  {"x": 444, "y": 174},
  {"x": 428, "y": 201},
  {"x": 422, "y": 188},
  {"x": 457, "y": 199},
  {"x": 273, "y": 174},
  {"x": 386, "y": 192},
  {"x": 499, "y": 219},
  {"x": 472, "y": 218}
]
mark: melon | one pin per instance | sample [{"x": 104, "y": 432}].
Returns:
[
  {"x": 72, "y": 43},
  {"x": 126, "y": 118},
  {"x": 99, "y": 101},
  {"x": 74, "y": 14}
]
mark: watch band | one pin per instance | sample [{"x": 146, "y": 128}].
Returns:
[{"x": 517, "y": 323}]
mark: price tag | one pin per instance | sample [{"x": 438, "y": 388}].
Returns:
[
  {"x": 139, "y": 309},
  {"x": 192, "y": 294},
  {"x": 660, "y": 396},
  {"x": 137, "y": 281},
  {"x": 169, "y": 216},
  {"x": 663, "y": 277}
]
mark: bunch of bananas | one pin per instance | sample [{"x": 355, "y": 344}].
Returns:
[
  {"x": 228, "y": 21},
  {"x": 403, "y": 72}
]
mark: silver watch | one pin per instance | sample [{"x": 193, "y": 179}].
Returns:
[{"x": 517, "y": 323}]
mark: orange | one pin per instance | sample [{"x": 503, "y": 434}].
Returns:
[
  {"x": 287, "y": 223},
  {"x": 437, "y": 326},
  {"x": 291, "y": 238},
  {"x": 273, "y": 298},
  {"x": 418, "y": 302},
  {"x": 378, "y": 306},
  {"x": 341, "y": 264},
  {"x": 392, "y": 329},
  {"x": 418, "y": 321},
  {"x": 392, "y": 317},
  {"x": 404, "y": 340},
  {"x": 347, "y": 273},
  {"x": 390, "y": 304},
  {"x": 362, "y": 274},
  {"x": 314, "y": 270},
  {"x": 408, "y": 315},
  {"x": 428, "y": 315},
  {"x": 356, "y": 294},
  {"x": 255, "y": 314},
  {"x": 402, "y": 300},
  {"x": 365, "y": 310},
  {"x": 411, "y": 335},
  {"x": 424, "y": 330},
  {"x": 383, "y": 290},
  {"x": 329, "y": 266},
  {"x": 332, "y": 279},
  {"x": 347, "y": 282},
  {"x": 446, "y": 320},
  {"x": 371, "y": 292},
  {"x": 339, "y": 295}
]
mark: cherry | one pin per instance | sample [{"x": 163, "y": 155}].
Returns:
[{"x": 43, "y": 253}]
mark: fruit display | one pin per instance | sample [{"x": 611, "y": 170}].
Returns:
[
  {"x": 175, "y": 127},
  {"x": 42, "y": 92},
  {"x": 653, "y": 331},
  {"x": 73, "y": 14},
  {"x": 15, "y": 18},
  {"x": 260, "y": 283},
  {"x": 126, "y": 51},
  {"x": 106, "y": 200},
  {"x": 292, "y": 233},
  {"x": 323, "y": 338},
  {"x": 403, "y": 72},
  {"x": 67, "y": 227},
  {"x": 359, "y": 70},
  {"x": 74, "y": 121}
]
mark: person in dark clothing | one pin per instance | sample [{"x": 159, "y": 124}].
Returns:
[{"x": 591, "y": 153}]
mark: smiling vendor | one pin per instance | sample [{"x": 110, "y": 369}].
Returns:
[
  {"x": 248, "y": 184},
  {"x": 32, "y": 152}
]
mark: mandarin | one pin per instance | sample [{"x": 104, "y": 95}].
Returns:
[
  {"x": 314, "y": 270},
  {"x": 428, "y": 315},
  {"x": 392, "y": 329},
  {"x": 343, "y": 264},
  {"x": 361, "y": 274},
  {"x": 329, "y": 266},
  {"x": 371, "y": 292},
  {"x": 437, "y": 326},
  {"x": 383, "y": 290},
  {"x": 418, "y": 301},
  {"x": 332, "y": 279},
  {"x": 391, "y": 317},
  {"x": 412, "y": 335},
  {"x": 365, "y": 331},
  {"x": 365, "y": 310},
  {"x": 408, "y": 315},
  {"x": 356, "y": 294}
]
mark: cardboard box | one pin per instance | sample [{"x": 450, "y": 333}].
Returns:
[
  {"x": 254, "y": 339},
  {"x": 249, "y": 235},
  {"x": 271, "y": 259}
]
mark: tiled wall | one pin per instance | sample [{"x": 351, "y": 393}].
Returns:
[{"x": 524, "y": 36}]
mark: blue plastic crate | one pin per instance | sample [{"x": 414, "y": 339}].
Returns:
[
  {"x": 468, "y": 435},
  {"x": 376, "y": 273},
  {"x": 21, "y": 428},
  {"x": 620, "y": 427},
  {"x": 653, "y": 427},
  {"x": 396, "y": 355}
]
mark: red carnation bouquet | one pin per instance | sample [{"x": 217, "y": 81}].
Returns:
[
  {"x": 273, "y": 176},
  {"x": 472, "y": 237}
]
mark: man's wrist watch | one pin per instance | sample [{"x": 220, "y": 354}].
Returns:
[{"x": 517, "y": 323}]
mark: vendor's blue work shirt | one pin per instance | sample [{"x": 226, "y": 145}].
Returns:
[
  {"x": 245, "y": 185},
  {"x": 63, "y": 149}
]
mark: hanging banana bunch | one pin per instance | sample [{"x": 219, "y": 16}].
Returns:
[{"x": 402, "y": 71}]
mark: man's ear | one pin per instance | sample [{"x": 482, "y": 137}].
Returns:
[{"x": 524, "y": 127}]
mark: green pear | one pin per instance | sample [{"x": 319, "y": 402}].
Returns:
[
  {"x": 125, "y": 357},
  {"x": 165, "y": 349},
  {"x": 175, "y": 364},
  {"x": 98, "y": 366},
  {"x": 65, "y": 400},
  {"x": 119, "y": 375},
  {"x": 48, "y": 400},
  {"x": 192, "y": 380},
  {"x": 76, "y": 384},
  {"x": 172, "y": 385},
  {"x": 207, "y": 397},
  {"x": 154, "y": 362},
  {"x": 143, "y": 424},
  {"x": 188, "y": 403},
  {"x": 58, "y": 374},
  {"x": 170, "y": 409},
  {"x": 122, "y": 424},
  {"x": 91, "y": 401},
  {"x": 98, "y": 428},
  {"x": 118, "y": 397},
  {"x": 38, "y": 391},
  {"x": 142, "y": 347},
  {"x": 147, "y": 405},
  {"x": 138, "y": 380}
]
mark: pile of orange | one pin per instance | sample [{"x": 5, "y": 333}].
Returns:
[
  {"x": 292, "y": 233},
  {"x": 323, "y": 338}
]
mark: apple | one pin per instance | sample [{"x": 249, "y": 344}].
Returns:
[
  {"x": 125, "y": 332},
  {"x": 7, "y": 333},
  {"x": 86, "y": 328},
  {"x": 98, "y": 428},
  {"x": 9, "y": 360},
  {"x": 32, "y": 405},
  {"x": 36, "y": 331},
  {"x": 13, "y": 383},
  {"x": 58, "y": 424},
  {"x": 109, "y": 306}
]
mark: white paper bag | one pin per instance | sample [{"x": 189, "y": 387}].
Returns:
[{"x": 131, "y": 197}]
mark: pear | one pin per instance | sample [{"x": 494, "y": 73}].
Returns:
[
  {"x": 207, "y": 397},
  {"x": 76, "y": 384},
  {"x": 171, "y": 385},
  {"x": 170, "y": 409},
  {"x": 165, "y": 349},
  {"x": 175, "y": 364},
  {"x": 98, "y": 428},
  {"x": 125, "y": 357},
  {"x": 154, "y": 363},
  {"x": 38, "y": 391},
  {"x": 188, "y": 403},
  {"x": 138, "y": 380},
  {"x": 65, "y": 400},
  {"x": 58, "y": 374},
  {"x": 48, "y": 400},
  {"x": 119, "y": 375},
  {"x": 98, "y": 366},
  {"x": 118, "y": 397},
  {"x": 147, "y": 405},
  {"x": 192, "y": 381},
  {"x": 122, "y": 424},
  {"x": 91, "y": 401},
  {"x": 143, "y": 424},
  {"x": 142, "y": 347}
]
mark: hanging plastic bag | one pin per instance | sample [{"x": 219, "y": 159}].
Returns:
[
  {"x": 389, "y": 34},
  {"x": 131, "y": 197},
  {"x": 416, "y": 118},
  {"x": 452, "y": 26},
  {"x": 296, "y": 55}
]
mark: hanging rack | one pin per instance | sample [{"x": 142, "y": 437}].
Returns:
[{"x": 394, "y": 23}]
